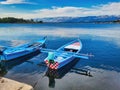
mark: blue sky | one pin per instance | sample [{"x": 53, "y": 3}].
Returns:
[{"x": 58, "y": 8}]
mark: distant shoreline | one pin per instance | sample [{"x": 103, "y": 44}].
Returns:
[
  {"x": 18, "y": 20},
  {"x": 12, "y": 20},
  {"x": 85, "y": 22},
  {"x": 63, "y": 23}
]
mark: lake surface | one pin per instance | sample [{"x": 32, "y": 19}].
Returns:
[{"x": 102, "y": 40}]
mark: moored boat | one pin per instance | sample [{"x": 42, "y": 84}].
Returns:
[
  {"x": 64, "y": 55},
  {"x": 15, "y": 53}
]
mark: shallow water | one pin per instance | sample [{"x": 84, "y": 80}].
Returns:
[{"x": 102, "y": 40}]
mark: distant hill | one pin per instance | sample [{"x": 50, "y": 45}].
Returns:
[
  {"x": 88, "y": 19},
  {"x": 17, "y": 20}
]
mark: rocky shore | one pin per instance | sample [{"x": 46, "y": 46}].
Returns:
[{"x": 8, "y": 84}]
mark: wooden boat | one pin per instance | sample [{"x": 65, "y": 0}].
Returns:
[
  {"x": 8, "y": 54},
  {"x": 58, "y": 58}
]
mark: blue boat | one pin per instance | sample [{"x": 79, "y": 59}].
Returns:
[
  {"x": 15, "y": 53},
  {"x": 62, "y": 56}
]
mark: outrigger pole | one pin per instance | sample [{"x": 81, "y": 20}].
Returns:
[{"x": 79, "y": 55}]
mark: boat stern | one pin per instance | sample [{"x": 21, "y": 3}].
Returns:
[{"x": 52, "y": 65}]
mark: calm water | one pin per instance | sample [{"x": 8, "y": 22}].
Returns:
[{"x": 102, "y": 40}]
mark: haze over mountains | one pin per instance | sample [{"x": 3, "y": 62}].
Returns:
[{"x": 87, "y": 19}]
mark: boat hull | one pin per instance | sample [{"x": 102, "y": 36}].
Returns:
[
  {"x": 13, "y": 56},
  {"x": 63, "y": 55},
  {"x": 65, "y": 62},
  {"x": 26, "y": 56},
  {"x": 23, "y": 51},
  {"x": 59, "y": 73}
]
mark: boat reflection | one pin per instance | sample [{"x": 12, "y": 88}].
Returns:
[
  {"x": 58, "y": 74},
  {"x": 3, "y": 70},
  {"x": 7, "y": 65}
]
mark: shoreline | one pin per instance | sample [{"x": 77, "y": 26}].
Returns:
[
  {"x": 8, "y": 84},
  {"x": 68, "y": 23}
]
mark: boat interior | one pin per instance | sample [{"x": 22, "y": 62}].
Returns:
[
  {"x": 70, "y": 50},
  {"x": 34, "y": 44}
]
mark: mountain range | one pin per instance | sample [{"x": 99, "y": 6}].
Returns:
[{"x": 87, "y": 19}]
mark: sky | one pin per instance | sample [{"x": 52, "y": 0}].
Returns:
[{"x": 58, "y": 8}]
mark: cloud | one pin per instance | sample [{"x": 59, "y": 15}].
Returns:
[
  {"x": 108, "y": 34},
  {"x": 106, "y": 9},
  {"x": 15, "y": 2}
]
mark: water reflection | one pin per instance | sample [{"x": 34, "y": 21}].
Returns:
[
  {"x": 3, "y": 70},
  {"x": 103, "y": 42},
  {"x": 7, "y": 65},
  {"x": 58, "y": 74}
]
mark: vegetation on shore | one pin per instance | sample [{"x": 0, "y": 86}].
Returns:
[{"x": 17, "y": 20}]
